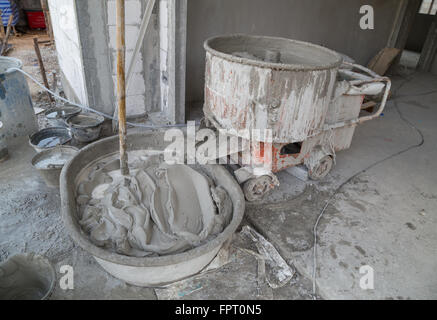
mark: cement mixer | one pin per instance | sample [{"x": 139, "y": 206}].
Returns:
[{"x": 303, "y": 93}]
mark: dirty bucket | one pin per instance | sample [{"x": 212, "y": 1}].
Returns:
[
  {"x": 49, "y": 138},
  {"x": 86, "y": 127},
  {"x": 56, "y": 117},
  {"x": 3, "y": 144},
  {"x": 16, "y": 108},
  {"x": 26, "y": 277},
  {"x": 50, "y": 163}
]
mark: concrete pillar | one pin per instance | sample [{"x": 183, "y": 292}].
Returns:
[
  {"x": 66, "y": 24},
  {"x": 85, "y": 40},
  {"x": 173, "y": 33},
  {"x": 94, "y": 41}
]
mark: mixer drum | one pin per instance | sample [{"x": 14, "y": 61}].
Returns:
[{"x": 257, "y": 82}]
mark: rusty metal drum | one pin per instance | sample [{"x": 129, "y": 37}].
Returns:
[{"x": 255, "y": 82}]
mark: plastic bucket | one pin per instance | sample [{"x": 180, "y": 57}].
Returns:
[
  {"x": 49, "y": 163},
  {"x": 26, "y": 277}
]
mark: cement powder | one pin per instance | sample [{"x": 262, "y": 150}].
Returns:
[{"x": 158, "y": 209}]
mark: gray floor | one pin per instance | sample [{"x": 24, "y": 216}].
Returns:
[{"x": 384, "y": 218}]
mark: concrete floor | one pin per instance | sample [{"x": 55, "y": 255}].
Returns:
[{"x": 384, "y": 218}]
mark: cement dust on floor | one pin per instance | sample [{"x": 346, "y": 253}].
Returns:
[
  {"x": 30, "y": 222},
  {"x": 384, "y": 218}
]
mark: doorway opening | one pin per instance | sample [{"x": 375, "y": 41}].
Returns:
[{"x": 413, "y": 54}]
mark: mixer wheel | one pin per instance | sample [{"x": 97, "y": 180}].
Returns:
[
  {"x": 256, "y": 188},
  {"x": 321, "y": 168}
]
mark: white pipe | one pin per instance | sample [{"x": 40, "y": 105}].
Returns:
[{"x": 138, "y": 125}]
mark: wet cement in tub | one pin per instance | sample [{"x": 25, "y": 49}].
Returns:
[{"x": 158, "y": 209}]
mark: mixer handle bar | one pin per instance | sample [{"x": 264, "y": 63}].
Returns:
[
  {"x": 363, "y": 69},
  {"x": 374, "y": 78}
]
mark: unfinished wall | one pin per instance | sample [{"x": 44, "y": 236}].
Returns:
[
  {"x": 91, "y": 77},
  {"x": 96, "y": 57},
  {"x": 97, "y": 25},
  {"x": 86, "y": 43},
  {"x": 68, "y": 47},
  {"x": 172, "y": 46},
  {"x": 143, "y": 93},
  {"x": 331, "y": 23}
]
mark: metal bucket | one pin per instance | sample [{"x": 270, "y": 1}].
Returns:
[
  {"x": 16, "y": 108},
  {"x": 26, "y": 277},
  {"x": 49, "y": 163},
  {"x": 49, "y": 138},
  {"x": 56, "y": 117},
  {"x": 86, "y": 127},
  {"x": 3, "y": 144},
  {"x": 257, "y": 82},
  {"x": 144, "y": 271}
]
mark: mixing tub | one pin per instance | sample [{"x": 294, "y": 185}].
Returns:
[{"x": 147, "y": 271}]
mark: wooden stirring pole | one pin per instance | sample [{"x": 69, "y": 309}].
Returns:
[{"x": 121, "y": 85}]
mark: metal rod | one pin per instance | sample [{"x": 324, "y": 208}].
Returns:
[
  {"x": 8, "y": 33},
  {"x": 45, "y": 9},
  {"x": 121, "y": 85},
  {"x": 2, "y": 28},
  {"x": 41, "y": 67}
]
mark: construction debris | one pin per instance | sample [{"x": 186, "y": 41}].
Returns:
[
  {"x": 383, "y": 60},
  {"x": 270, "y": 263}
]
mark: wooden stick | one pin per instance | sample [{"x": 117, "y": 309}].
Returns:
[
  {"x": 2, "y": 28},
  {"x": 45, "y": 9},
  {"x": 8, "y": 33},
  {"x": 41, "y": 67},
  {"x": 55, "y": 82},
  {"x": 121, "y": 85}
]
